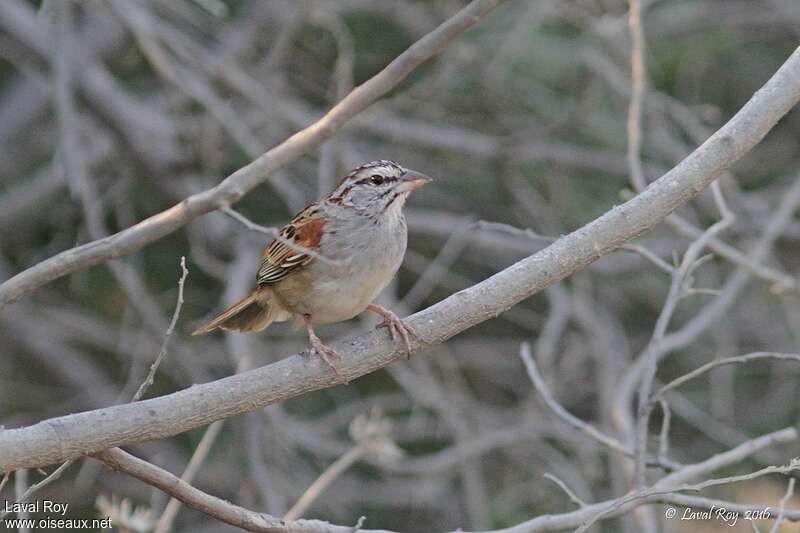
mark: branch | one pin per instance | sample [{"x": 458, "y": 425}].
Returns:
[
  {"x": 151, "y": 374},
  {"x": 634, "y": 124},
  {"x": 705, "y": 317},
  {"x": 351, "y": 457},
  {"x": 164, "y": 524},
  {"x": 726, "y": 458},
  {"x": 661, "y": 492},
  {"x": 677, "y": 382},
  {"x": 572, "y": 420},
  {"x": 654, "y": 349},
  {"x": 238, "y": 184},
  {"x": 70, "y": 436},
  {"x": 793, "y": 466},
  {"x": 782, "y": 507},
  {"x": 56, "y": 474},
  {"x": 211, "y": 505}
]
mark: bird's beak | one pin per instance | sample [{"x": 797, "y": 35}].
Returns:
[{"x": 412, "y": 180}]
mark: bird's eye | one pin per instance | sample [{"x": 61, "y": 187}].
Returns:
[{"x": 376, "y": 179}]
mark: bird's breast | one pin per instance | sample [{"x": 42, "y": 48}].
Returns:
[{"x": 364, "y": 257}]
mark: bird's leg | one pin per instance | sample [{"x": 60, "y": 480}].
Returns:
[
  {"x": 328, "y": 354},
  {"x": 395, "y": 326}
]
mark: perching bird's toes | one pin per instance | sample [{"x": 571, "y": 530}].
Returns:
[
  {"x": 325, "y": 352},
  {"x": 397, "y": 327}
]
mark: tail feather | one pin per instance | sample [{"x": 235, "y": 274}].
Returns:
[{"x": 249, "y": 314}]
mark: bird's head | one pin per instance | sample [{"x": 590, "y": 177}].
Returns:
[{"x": 377, "y": 188}]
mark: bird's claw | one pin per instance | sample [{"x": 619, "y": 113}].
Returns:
[
  {"x": 397, "y": 328},
  {"x": 326, "y": 353}
]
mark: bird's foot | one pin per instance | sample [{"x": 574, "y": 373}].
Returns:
[
  {"x": 325, "y": 352},
  {"x": 397, "y": 328}
]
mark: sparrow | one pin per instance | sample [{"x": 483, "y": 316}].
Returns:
[{"x": 333, "y": 259}]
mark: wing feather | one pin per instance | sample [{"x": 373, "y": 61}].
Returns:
[{"x": 278, "y": 259}]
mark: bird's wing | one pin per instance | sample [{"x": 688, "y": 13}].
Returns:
[{"x": 278, "y": 259}]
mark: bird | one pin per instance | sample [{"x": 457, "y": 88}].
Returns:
[{"x": 333, "y": 259}]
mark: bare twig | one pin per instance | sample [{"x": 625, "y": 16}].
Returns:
[
  {"x": 163, "y": 351},
  {"x": 20, "y": 488},
  {"x": 726, "y": 458},
  {"x": 164, "y": 524},
  {"x": 563, "y": 486},
  {"x": 538, "y": 382},
  {"x": 663, "y": 437},
  {"x": 438, "y": 268},
  {"x": 249, "y": 224},
  {"x": 343, "y": 81},
  {"x": 640, "y": 495},
  {"x": 688, "y": 332},
  {"x": 532, "y": 235},
  {"x": 226, "y": 512},
  {"x": 755, "y": 356},
  {"x": 372, "y": 436},
  {"x": 324, "y": 480},
  {"x": 637, "y": 94},
  {"x": 782, "y": 506},
  {"x": 275, "y": 234},
  {"x": 53, "y": 476},
  {"x": 779, "y": 280},
  {"x": 651, "y": 355}
]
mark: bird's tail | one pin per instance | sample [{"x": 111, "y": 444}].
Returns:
[{"x": 253, "y": 313}]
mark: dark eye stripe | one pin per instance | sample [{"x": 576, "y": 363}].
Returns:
[{"x": 381, "y": 179}]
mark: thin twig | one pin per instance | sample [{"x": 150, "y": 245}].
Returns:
[
  {"x": 563, "y": 486},
  {"x": 324, "y": 480},
  {"x": 652, "y": 353},
  {"x": 782, "y": 506},
  {"x": 726, "y": 458},
  {"x": 677, "y": 382},
  {"x": 696, "y": 487},
  {"x": 637, "y": 95},
  {"x": 229, "y": 513},
  {"x": 20, "y": 488},
  {"x": 163, "y": 351},
  {"x": 275, "y": 234},
  {"x": 663, "y": 438},
  {"x": 705, "y": 318},
  {"x": 538, "y": 382},
  {"x": 359, "y": 524},
  {"x": 532, "y": 235},
  {"x": 779, "y": 280},
  {"x": 202, "y": 450},
  {"x": 438, "y": 268},
  {"x": 40, "y": 484},
  {"x": 343, "y": 81}
]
